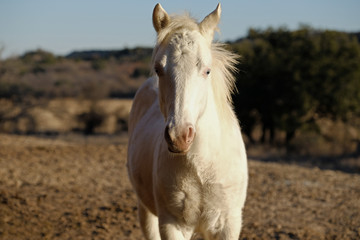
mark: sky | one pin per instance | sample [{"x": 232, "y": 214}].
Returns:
[{"x": 64, "y": 26}]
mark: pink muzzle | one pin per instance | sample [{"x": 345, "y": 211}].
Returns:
[{"x": 179, "y": 139}]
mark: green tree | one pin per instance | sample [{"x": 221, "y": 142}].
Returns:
[{"x": 288, "y": 77}]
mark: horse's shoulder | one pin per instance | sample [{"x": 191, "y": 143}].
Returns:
[
  {"x": 148, "y": 91},
  {"x": 144, "y": 98}
]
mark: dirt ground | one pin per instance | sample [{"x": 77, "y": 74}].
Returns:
[{"x": 76, "y": 187}]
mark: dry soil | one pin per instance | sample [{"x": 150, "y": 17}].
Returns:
[{"x": 76, "y": 187}]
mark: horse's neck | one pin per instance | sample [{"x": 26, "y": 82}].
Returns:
[
  {"x": 223, "y": 109},
  {"x": 216, "y": 142},
  {"x": 218, "y": 121}
]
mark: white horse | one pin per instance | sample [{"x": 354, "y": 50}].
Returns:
[{"x": 186, "y": 156}]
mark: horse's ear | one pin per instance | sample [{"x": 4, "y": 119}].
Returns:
[
  {"x": 210, "y": 22},
  {"x": 160, "y": 18}
]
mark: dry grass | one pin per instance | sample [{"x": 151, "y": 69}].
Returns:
[{"x": 64, "y": 115}]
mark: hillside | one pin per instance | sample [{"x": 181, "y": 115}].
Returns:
[
  {"x": 87, "y": 75},
  {"x": 134, "y": 54}
]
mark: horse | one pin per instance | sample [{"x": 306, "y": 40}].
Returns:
[{"x": 186, "y": 157}]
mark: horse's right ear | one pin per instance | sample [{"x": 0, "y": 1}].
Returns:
[{"x": 160, "y": 18}]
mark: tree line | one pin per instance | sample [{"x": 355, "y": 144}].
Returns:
[{"x": 287, "y": 79}]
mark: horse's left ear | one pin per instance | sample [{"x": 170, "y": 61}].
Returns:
[{"x": 210, "y": 22}]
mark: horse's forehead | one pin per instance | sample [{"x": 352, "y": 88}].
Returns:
[
  {"x": 185, "y": 41},
  {"x": 185, "y": 49},
  {"x": 188, "y": 47}
]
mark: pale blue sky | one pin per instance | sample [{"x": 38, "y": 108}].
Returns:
[{"x": 66, "y": 25}]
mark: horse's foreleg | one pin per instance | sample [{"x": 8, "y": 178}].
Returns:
[
  {"x": 149, "y": 223},
  {"x": 226, "y": 229},
  {"x": 231, "y": 230},
  {"x": 170, "y": 229}
]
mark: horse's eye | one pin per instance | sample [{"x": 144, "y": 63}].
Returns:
[
  {"x": 206, "y": 72},
  {"x": 158, "y": 70}
]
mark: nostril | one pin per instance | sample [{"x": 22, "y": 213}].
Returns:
[
  {"x": 190, "y": 134},
  {"x": 167, "y": 135}
]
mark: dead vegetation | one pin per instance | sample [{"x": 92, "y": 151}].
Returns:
[{"x": 59, "y": 116}]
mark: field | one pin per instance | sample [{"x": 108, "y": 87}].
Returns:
[
  {"x": 63, "y": 140},
  {"x": 76, "y": 187}
]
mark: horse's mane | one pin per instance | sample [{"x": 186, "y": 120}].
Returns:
[
  {"x": 224, "y": 67},
  {"x": 224, "y": 61}
]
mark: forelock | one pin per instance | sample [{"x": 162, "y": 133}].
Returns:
[{"x": 177, "y": 24}]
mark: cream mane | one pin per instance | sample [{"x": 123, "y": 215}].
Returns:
[{"x": 224, "y": 65}]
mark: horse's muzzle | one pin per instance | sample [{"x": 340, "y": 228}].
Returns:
[{"x": 180, "y": 139}]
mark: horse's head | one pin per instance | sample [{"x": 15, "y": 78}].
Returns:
[{"x": 182, "y": 61}]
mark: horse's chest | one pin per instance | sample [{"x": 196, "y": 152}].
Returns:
[{"x": 190, "y": 193}]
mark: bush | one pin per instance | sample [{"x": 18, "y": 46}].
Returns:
[
  {"x": 91, "y": 120},
  {"x": 291, "y": 77}
]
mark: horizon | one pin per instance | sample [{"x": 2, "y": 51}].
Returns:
[
  {"x": 142, "y": 47},
  {"x": 64, "y": 27}
]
